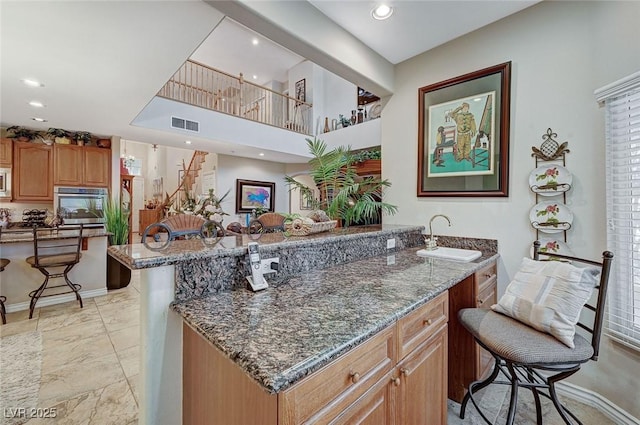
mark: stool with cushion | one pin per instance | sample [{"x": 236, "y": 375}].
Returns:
[
  {"x": 3, "y": 312},
  {"x": 55, "y": 249},
  {"x": 531, "y": 331}
]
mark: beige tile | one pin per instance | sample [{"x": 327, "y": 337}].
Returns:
[
  {"x": 113, "y": 404},
  {"x": 130, "y": 360},
  {"x": 72, "y": 380},
  {"x": 77, "y": 331},
  {"x": 78, "y": 350},
  {"x": 116, "y": 319},
  {"x": 125, "y": 338},
  {"x": 117, "y": 296},
  {"x": 70, "y": 307},
  {"x": 134, "y": 383},
  {"x": 54, "y": 319},
  {"x": 12, "y": 328},
  {"x": 22, "y": 315}
]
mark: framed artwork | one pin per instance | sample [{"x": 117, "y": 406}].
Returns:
[
  {"x": 301, "y": 90},
  {"x": 463, "y": 134},
  {"x": 251, "y": 194}
]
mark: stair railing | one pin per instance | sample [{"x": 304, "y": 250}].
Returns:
[{"x": 199, "y": 85}]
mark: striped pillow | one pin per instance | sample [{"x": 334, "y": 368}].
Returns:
[{"x": 549, "y": 295}]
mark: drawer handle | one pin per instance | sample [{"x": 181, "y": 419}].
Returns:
[
  {"x": 404, "y": 371},
  {"x": 488, "y": 275},
  {"x": 355, "y": 377},
  {"x": 481, "y": 301},
  {"x": 396, "y": 381},
  {"x": 427, "y": 322}
]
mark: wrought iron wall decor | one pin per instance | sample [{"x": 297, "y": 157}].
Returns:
[{"x": 551, "y": 180}]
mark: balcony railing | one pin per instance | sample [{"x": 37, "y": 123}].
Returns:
[{"x": 200, "y": 85}]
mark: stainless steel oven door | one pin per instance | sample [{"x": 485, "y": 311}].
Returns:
[{"x": 80, "y": 205}]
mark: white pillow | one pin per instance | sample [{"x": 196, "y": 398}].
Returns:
[{"x": 548, "y": 295}]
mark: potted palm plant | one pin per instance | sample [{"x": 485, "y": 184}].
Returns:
[
  {"x": 344, "y": 195},
  {"x": 82, "y": 137},
  {"x": 116, "y": 222}
]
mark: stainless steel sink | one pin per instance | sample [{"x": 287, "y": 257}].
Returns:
[{"x": 446, "y": 253}]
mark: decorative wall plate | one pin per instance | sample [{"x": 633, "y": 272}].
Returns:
[
  {"x": 551, "y": 217},
  {"x": 375, "y": 111},
  {"x": 552, "y": 246},
  {"x": 550, "y": 180}
]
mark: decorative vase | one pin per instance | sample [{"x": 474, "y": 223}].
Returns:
[
  {"x": 326, "y": 125},
  {"x": 104, "y": 143},
  {"x": 62, "y": 140},
  {"x": 353, "y": 117}
]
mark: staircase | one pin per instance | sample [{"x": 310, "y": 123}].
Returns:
[{"x": 189, "y": 177}]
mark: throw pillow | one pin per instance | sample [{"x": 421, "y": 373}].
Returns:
[{"x": 548, "y": 296}]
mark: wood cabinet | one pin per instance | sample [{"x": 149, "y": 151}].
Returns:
[
  {"x": 398, "y": 376},
  {"x": 6, "y": 152},
  {"x": 82, "y": 166},
  {"x": 32, "y": 172},
  {"x": 147, "y": 217},
  {"x": 472, "y": 362}
]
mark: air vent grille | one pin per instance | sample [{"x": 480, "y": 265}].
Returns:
[{"x": 183, "y": 124}]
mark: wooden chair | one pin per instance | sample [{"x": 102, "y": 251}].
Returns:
[
  {"x": 272, "y": 222},
  {"x": 530, "y": 358},
  {"x": 53, "y": 249}
]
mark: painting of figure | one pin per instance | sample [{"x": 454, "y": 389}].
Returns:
[{"x": 460, "y": 137}]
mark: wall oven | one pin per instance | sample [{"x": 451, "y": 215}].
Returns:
[{"x": 80, "y": 205}]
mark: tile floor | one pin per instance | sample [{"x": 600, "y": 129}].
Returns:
[
  {"x": 90, "y": 357},
  {"x": 90, "y": 362}
]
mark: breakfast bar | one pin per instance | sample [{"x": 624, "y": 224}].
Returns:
[{"x": 338, "y": 295}]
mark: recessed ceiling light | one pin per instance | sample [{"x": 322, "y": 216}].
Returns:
[
  {"x": 32, "y": 83},
  {"x": 188, "y": 142},
  {"x": 382, "y": 12},
  {"x": 39, "y": 119},
  {"x": 255, "y": 41},
  {"x": 255, "y": 77},
  {"x": 261, "y": 154},
  {"x": 36, "y": 104}
]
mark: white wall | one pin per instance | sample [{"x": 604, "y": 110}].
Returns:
[
  {"x": 231, "y": 168},
  {"x": 560, "y": 53}
]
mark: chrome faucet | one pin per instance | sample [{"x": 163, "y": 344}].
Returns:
[{"x": 431, "y": 241}]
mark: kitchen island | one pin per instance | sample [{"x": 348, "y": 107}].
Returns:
[
  {"x": 339, "y": 289},
  {"x": 19, "y": 278}
]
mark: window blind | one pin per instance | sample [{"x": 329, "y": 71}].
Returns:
[{"x": 622, "y": 126}]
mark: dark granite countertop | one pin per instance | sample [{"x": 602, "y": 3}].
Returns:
[
  {"x": 25, "y": 234},
  {"x": 156, "y": 254},
  {"x": 295, "y": 327}
]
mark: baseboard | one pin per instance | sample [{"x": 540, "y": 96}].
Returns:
[
  {"x": 606, "y": 407},
  {"x": 56, "y": 299}
]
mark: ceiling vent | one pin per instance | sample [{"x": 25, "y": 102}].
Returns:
[{"x": 183, "y": 124}]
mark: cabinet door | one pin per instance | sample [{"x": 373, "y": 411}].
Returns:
[
  {"x": 422, "y": 393},
  {"x": 32, "y": 172},
  {"x": 375, "y": 407},
  {"x": 67, "y": 167},
  {"x": 6, "y": 152},
  {"x": 97, "y": 166}
]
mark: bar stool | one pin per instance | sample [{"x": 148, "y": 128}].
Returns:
[
  {"x": 3, "y": 312},
  {"x": 55, "y": 249}
]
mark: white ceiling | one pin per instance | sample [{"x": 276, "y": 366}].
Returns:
[{"x": 102, "y": 62}]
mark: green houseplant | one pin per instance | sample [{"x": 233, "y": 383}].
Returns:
[
  {"x": 116, "y": 222},
  {"x": 59, "y": 135},
  {"x": 22, "y": 134},
  {"x": 82, "y": 137},
  {"x": 344, "y": 195}
]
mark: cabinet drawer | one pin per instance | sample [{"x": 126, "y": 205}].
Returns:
[
  {"x": 323, "y": 395},
  {"x": 485, "y": 275},
  {"x": 487, "y": 295},
  {"x": 417, "y": 326}
]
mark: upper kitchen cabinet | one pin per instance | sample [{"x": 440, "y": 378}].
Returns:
[
  {"x": 32, "y": 172},
  {"x": 81, "y": 166},
  {"x": 6, "y": 157}
]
